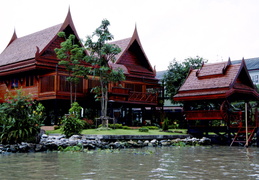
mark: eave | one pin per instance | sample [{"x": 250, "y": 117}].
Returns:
[
  {"x": 18, "y": 67},
  {"x": 240, "y": 94}
]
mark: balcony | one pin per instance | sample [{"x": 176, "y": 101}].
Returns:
[{"x": 127, "y": 96}]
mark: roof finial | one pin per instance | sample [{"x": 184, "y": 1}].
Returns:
[
  {"x": 229, "y": 61},
  {"x": 13, "y": 37}
]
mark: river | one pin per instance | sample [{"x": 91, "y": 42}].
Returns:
[{"x": 199, "y": 162}]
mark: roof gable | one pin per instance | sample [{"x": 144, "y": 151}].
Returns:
[
  {"x": 25, "y": 47},
  {"x": 35, "y": 44},
  {"x": 243, "y": 77},
  {"x": 133, "y": 56}
]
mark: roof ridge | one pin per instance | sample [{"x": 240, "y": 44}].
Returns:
[{"x": 40, "y": 31}]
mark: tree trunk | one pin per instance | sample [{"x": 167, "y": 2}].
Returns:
[
  {"x": 75, "y": 91},
  {"x": 104, "y": 92},
  {"x": 71, "y": 92}
]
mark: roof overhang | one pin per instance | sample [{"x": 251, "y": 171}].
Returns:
[{"x": 210, "y": 94}]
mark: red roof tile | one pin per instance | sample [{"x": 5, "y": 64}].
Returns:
[
  {"x": 25, "y": 47},
  {"x": 214, "y": 81}
]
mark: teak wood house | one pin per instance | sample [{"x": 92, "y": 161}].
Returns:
[
  {"x": 207, "y": 94},
  {"x": 30, "y": 63}
]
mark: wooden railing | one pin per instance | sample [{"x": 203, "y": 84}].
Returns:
[
  {"x": 234, "y": 119},
  {"x": 124, "y": 94},
  {"x": 203, "y": 115},
  {"x": 143, "y": 97}
]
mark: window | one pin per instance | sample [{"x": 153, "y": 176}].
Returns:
[
  {"x": 134, "y": 87},
  {"x": 64, "y": 84},
  {"x": 14, "y": 83},
  {"x": 93, "y": 83},
  {"x": 29, "y": 81},
  {"x": 47, "y": 84},
  {"x": 79, "y": 86},
  {"x": 255, "y": 79}
]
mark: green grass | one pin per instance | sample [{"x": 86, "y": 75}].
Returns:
[{"x": 124, "y": 132}]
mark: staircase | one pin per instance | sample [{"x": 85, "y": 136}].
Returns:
[{"x": 240, "y": 137}]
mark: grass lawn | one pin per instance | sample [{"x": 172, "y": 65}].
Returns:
[{"x": 126, "y": 132}]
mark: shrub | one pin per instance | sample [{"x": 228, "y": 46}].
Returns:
[
  {"x": 126, "y": 127},
  {"x": 165, "y": 124},
  {"x": 21, "y": 118},
  {"x": 143, "y": 129},
  {"x": 151, "y": 127},
  {"x": 71, "y": 124},
  {"x": 116, "y": 126},
  {"x": 56, "y": 127}
]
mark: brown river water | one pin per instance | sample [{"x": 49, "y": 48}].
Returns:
[{"x": 199, "y": 162}]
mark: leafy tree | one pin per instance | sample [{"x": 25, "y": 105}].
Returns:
[
  {"x": 72, "y": 124},
  {"x": 177, "y": 73},
  {"x": 20, "y": 118},
  {"x": 101, "y": 54},
  {"x": 71, "y": 55}
]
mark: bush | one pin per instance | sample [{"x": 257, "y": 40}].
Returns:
[
  {"x": 143, "y": 129},
  {"x": 116, "y": 126},
  {"x": 152, "y": 127},
  {"x": 20, "y": 118},
  {"x": 56, "y": 127},
  {"x": 71, "y": 124},
  {"x": 126, "y": 127},
  {"x": 165, "y": 124}
]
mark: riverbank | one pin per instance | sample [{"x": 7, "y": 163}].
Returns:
[{"x": 92, "y": 142}]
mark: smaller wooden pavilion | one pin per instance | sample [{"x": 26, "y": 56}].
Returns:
[{"x": 214, "y": 98}]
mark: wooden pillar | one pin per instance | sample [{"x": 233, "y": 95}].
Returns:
[{"x": 246, "y": 125}]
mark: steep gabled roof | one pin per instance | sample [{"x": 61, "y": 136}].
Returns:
[
  {"x": 25, "y": 48},
  {"x": 132, "y": 57},
  {"x": 217, "y": 81}
]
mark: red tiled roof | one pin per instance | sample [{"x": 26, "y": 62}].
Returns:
[
  {"x": 195, "y": 83},
  {"x": 25, "y": 47},
  {"x": 212, "y": 69},
  {"x": 215, "y": 81}
]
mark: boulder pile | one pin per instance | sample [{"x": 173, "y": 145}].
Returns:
[{"x": 58, "y": 142}]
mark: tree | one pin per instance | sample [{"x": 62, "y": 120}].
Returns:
[
  {"x": 177, "y": 73},
  {"x": 100, "y": 56},
  {"x": 71, "y": 55}
]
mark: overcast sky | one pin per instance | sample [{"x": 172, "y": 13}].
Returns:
[{"x": 168, "y": 29}]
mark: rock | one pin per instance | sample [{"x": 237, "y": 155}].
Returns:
[
  {"x": 154, "y": 142},
  {"x": 146, "y": 143},
  {"x": 44, "y": 136},
  {"x": 205, "y": 141},
  {"x": 75, "y": 137}
]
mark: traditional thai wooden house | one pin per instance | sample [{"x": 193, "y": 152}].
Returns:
[
  {"x": 209, "y": 94},
  {"x": 30, "y": 63}
]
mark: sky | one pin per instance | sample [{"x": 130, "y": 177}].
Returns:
[{"x": 168, "y": 29}]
